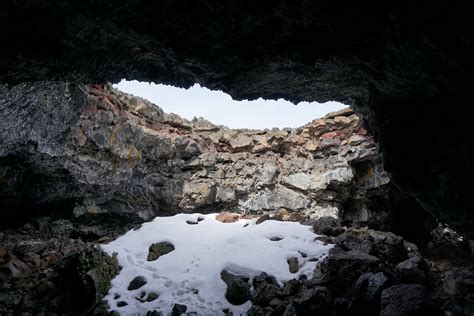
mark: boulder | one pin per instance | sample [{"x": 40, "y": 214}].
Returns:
[
  {"x": 238, "y": 287},
  {"x": 266, "y": 288},
  {"x": 178, "y": 309},
  {"x": 159, "y": 249},
  {"x": 405, "y": 300},
  {"x": 327, "y": 225},
  {"x": 137, "y": 283},
  {"x": 413, "y": 270}
]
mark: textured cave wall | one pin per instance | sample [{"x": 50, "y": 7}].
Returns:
[
  {"x": 407, "y": 67},
  {"x": 90, "y": 151}
]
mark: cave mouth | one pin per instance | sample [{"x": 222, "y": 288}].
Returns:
[{"x": 221, "y": 109}]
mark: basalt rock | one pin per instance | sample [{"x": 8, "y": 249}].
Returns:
[
  {"x": 46, "y": 271},
  {"x": 106, "y": 152},
  {"x": 159, "y": 249},
  {"x": 403, "y": 67},
  {"x": 358, "y": 277}
]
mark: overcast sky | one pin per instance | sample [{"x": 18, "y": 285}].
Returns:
[{"x": 219, "y": 108}]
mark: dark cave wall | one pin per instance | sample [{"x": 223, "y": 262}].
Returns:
[{"x": 406, "y": 66}]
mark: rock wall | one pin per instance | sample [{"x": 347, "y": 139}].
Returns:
[
  {"x": 406, "y": 69},
  {"x": 95, "y": 150}
]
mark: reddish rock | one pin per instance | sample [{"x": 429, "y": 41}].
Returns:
[
  {"x": 329, "y": 135},
  {"x": 226, "y": 217}
]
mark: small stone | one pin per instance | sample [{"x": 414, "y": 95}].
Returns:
[
  {"x": 276, "y": 238},
  {"x": 137, "y": 283},
  {"x": 293, "y": 264},
  {"x": 191, "y": 222},
  {"x": 226, "y": 217},
  {"x": 152, "y": 296},
  {"x": 179, "y": 309},
  {"x": 122, "y": 304},
  {"x": 159, "y": 249},
  {"x": 117, "y": 296},
  {"x": 154, "y": 313}
]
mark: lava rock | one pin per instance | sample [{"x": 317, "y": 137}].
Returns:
[
  {"x": 179, "y": 309},
  {"x": 152, "y": 296},
  {"x": 413, "y": 270},
  {"x": 266, "y": 288},
  {"x": 290, "y": 310},
  {"x": 137, "y": 283},
  {"x": 405, "y": 300},
  {"x": 291, "y": 287},
  {"x": 159, "y": 249},
  {"x": 238, "y": 288},
  {"x": 238, "y": 292},
  {"x": 122, "y": 304},
  {"x": 327, "y": 225},
  {"x": 370, "y": 285},
  {"x": 256, "y": 310},
  {"x": 311, "y": 300},
  {"x": 293, "y": 264}
]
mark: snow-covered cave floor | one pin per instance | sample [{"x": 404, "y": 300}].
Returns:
[{"x": 190, "y": 274}]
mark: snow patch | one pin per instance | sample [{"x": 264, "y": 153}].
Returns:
[{"x": 190, "y": 274}]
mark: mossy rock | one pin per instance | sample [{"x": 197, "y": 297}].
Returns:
[{"x": 84, "y": 278}]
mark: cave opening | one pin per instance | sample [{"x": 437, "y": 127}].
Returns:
[
  {"x": 406, "y": 68},
  {"x": 221, "y": 109}
]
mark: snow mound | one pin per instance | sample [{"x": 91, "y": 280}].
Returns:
[{"x": 190, "y": 274}]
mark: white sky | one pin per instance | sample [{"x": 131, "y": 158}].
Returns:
[{"x": 219, "y": 108}]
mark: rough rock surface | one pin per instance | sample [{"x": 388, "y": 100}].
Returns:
[
  {"x": 407, "y": 68},
  {"x": 159, "y": 249},
  {"x": 107, "y": 161},
  {"x": 365, "y": 274},
  {"x": 47, "y": 268},
  {"x": 108, "y": 152}
]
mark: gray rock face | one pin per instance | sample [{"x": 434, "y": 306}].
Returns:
[{"x": 105, "y": 151}]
